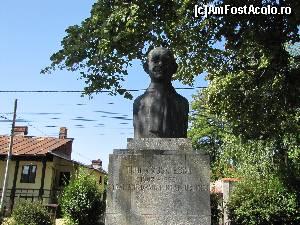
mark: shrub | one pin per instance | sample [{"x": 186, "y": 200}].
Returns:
[
  {"x": 1, "y": 216},
  {"x": 263, "y": 201},
  {"x": 215, "y": 202},
  {"x": 8, "y": 221},
  {"x": 31, "y": 213},
  {"x": 81, "y": 201}
]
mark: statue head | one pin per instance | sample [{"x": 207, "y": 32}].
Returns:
[{"x": 160, "y": 64}]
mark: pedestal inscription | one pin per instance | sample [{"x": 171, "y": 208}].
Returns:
[{"x": 158, "y": 186}]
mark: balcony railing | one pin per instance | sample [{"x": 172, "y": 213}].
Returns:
[{"x": 47, "y": 195}]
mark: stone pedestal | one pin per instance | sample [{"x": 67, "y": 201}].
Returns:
[{"x": 158, "y": 181}]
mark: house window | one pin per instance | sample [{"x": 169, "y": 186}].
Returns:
[
  {"x": 28, "y": 174},
  {"x": 64, "y": 178},
  {"x": 100, "y": 180}
]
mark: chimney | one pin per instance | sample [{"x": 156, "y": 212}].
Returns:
[
  {"x": 63, "y": 134},
  {"x": 20, "y": 130},
  {"x": 97, "y": 164}
]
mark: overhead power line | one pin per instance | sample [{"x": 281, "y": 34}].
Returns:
[{"x": 75, "y": 91}]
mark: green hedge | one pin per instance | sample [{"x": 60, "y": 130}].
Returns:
[
  {"x": 81, "y": 201},
  {"x": 263, "y": 201},
  {"x": 31, "y": 213}
]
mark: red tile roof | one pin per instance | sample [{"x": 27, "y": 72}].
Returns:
[
  {"x": 27, "y": 145},
  {"x": 230, "y": 179}
]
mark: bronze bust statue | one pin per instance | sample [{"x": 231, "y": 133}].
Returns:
[{"x": 160, "y": 112}]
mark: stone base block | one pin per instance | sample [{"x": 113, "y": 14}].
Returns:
[{"x": 158, "y": 181}]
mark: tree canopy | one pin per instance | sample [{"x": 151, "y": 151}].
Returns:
[{"x": 103, "y": 46}]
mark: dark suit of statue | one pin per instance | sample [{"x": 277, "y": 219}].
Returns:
[{"x": 160, "y": 112}]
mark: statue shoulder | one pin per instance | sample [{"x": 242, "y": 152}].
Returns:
[
  {"x": 138, "y": 100},
  {"x": 182, "y": 100},
  {"x": 184, "y": 103}
]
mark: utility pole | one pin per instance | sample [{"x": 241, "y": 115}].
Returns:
[{"x": 9, "y": 156}]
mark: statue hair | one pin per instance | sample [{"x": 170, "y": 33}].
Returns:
[{"x": 173, "y": 67}]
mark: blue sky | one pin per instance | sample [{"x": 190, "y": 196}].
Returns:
[{"x": 30, "y": 32}]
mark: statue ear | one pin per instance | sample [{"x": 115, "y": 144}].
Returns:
[{"x": 146, "y": 67}]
